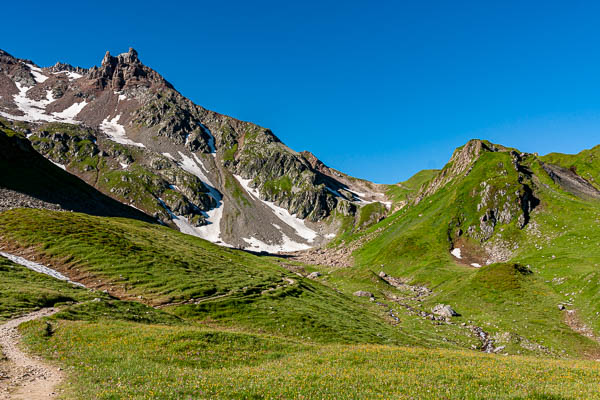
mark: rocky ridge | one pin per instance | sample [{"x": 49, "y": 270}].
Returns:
[{"x": 249, "y": 191}]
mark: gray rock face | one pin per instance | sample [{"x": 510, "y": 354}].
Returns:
[
  {"x": 282, "y": 176},
  {"x": 124, "y": 70},
  {"x": 571, "y": 182},
  {"x": 444, "y": 310},
  {"x": 170, "y": 115}
]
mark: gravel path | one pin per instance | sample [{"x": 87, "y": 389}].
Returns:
[{"x": 25, "y": 377}]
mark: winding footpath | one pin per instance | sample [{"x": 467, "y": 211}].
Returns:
[{"x": 27, "y": 377}]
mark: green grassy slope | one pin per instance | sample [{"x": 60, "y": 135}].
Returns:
[
  {"x": 235, "y": 325},
  {"x": 195, "y": 279},
  {"x": 405, "y": 191},
  {"x": 23, "y": 291}
]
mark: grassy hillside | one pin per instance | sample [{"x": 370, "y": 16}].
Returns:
[
  {"x": 23, "y": 291},
  {"x": 404, "y": 191},
  {"x": 115, "y": 349},
  {"x": 554, "y": 259},
  {"x": 198, "y": 280}
]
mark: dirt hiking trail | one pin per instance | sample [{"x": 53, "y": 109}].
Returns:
[{"x": 23, "y": 376}]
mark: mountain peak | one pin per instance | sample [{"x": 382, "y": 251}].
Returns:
[
  {"x": 126, "y": 69},
  {"x": 131, "y": 57},
  {"x": 107, "y": 59}
]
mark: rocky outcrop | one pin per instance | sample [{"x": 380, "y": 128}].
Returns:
[
  {"x": 570, "y": 181},
  {"x": 283, "y": 177},
  {"x": 62, "y": 67},
  {"x": 125, "y": 71},
  {"x": 503, "y": 195},
  {"x": 502, "y": 206},
  {"x": 460, "y": 164},
  {"x": 134, "y": 176},
  {"x": 362, "y": 293},
  {"x": 401, "y": 284},
  {"x": 170, "y": 115}
]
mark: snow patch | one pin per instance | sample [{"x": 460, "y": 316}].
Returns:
[
  {"x": 123, "y": 165},
  {"x": 211, "y": 140},
  {"x": 330, "y": 236},
  {"x": 121, "y": 96},
  {"x": 69, "y": 113},
  {"x": 287, "y": 244},
  {"x": 37, "y": 73},
  {"x": 476, "y": 265},
  {"x": 116, "y": 131},
  {"x": 168, "y": 155},
  {"x": 212, "y": 231},
  {"x": 291, "y": 220},
  {"x": 73, "y": 75},
  {"x": 38, "y": 268},
  {"x": 456, "y": 253},
  {"x": 195, "y": 167},
  {"x": 59, "y": 165},
  {"x": 35, "y": 110}
]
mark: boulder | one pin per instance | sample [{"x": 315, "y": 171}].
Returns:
[
  {"x": 314, "y": 275},
  {"x": 362, "y": 293},
  {"x": 444, "y": 310}
]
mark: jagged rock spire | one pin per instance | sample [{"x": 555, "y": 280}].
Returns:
[
  {"x": 131, "y": 57},
  {"x": 124, "y": 70}
]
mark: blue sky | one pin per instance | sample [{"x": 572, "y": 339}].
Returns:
[{"x": 379, "y": 90}]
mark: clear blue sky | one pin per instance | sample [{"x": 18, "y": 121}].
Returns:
[{"x": 376, "y": 89}]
